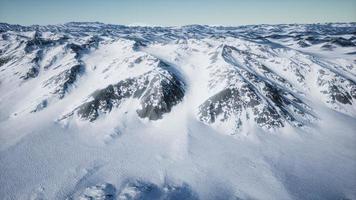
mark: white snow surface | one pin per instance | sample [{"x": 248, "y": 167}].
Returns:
[{"x": 47, "y": 154}]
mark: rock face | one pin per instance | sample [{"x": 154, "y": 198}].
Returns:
[
  {"x": 335, "y": 88},
  {"x": 138, "y": 190},
  {"x": 99, "y": 192},
  {"x": 253, "y": 91},
  {"x": 135, "y": 190},
  {"x": 64, "y": 80},
  {"x": 157, "y": 90}
]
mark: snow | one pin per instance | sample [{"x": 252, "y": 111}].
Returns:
[{"x": 44, "y": 155}]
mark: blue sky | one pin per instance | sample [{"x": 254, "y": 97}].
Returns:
[{"x": 177, "y": 12}]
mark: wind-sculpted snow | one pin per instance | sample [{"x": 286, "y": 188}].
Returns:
[{"x": 102, "y": 111}]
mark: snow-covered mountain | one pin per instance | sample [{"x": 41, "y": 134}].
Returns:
[{"x": 99, "y": 111}]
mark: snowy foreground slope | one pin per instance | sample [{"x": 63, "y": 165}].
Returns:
[{"x": 97, "y": 111}]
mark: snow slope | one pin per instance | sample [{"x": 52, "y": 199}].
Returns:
[{"x": 99, "y": 111}]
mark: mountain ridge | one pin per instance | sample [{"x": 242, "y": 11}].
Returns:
[{"x": 106, "y": 111}]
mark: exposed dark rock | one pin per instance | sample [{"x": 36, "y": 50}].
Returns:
[
  {"x": 303, "y": 44},
  {"x": 4, "y": 60},
  {"x": 31, "y": 73},
  {"x": 250, "y": 95},
  {"x": 80, "y": 49},
  {"x": 75, "y": 47},
  {"x": 99, "y": 192},
  {"x": 339, "y": 95},
  {"x": 342, "y": 42},
  {"x": 141, "y": 190},
  {"x": 336, "y": 88},
  {"x": 223, "y": 103},
  {"x": 233, "y": 101},
  {"x": 64, "y": 80},
  {"x": 38, "y": 42},
  {"x": 352, "y": 53},
  {"x": 328, "y": 47},
  {"x": 277, "y": 36},
  {"x": 104, "y": 100},
  {"x": 43, "y": 104},
  {"x": 158, "y": 91},
  {"x": 156, "y": 101},
  {"x": 314, "y": 40}
]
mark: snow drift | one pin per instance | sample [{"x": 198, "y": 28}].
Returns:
[{"x": 98, "y": 111}]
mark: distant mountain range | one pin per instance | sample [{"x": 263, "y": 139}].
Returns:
[{"x": 99, "y": 111}]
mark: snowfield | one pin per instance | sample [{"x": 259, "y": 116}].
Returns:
[{"x": 99, "y": 111}]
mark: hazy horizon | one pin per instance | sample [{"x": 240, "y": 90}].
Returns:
[
  {"x": 157, "y": 25},
  {"x": 177, "y": 13}
]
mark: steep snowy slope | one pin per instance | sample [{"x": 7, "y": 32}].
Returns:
[{"x": 98, "y": 111}]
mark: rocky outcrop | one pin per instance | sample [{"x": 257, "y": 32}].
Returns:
[
  {"x": 254, "y": 92},
  {"x": 157, "y": 90}
]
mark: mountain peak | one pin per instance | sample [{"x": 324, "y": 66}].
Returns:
[{"x": 99, "y": 111}]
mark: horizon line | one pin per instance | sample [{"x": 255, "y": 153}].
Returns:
[{"x": 138, "y": 24}]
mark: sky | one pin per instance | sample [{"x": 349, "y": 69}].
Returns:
[{"x": 177, "y": 12}]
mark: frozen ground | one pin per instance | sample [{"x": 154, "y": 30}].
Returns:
[{"x": 96, "y": 111}]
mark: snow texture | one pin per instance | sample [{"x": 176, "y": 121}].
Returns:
[{"x": 101, "y": 111}]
